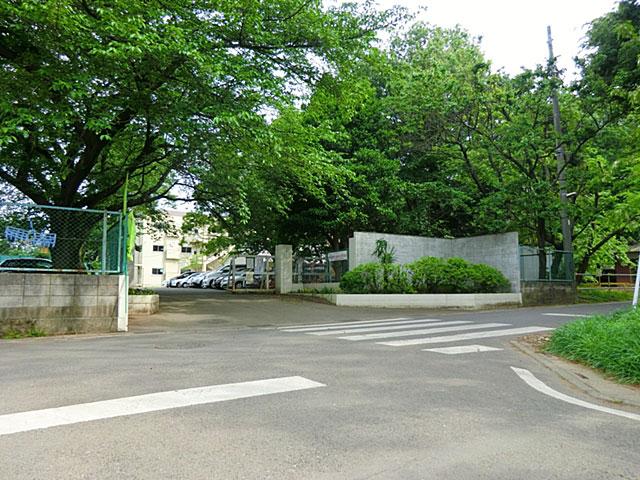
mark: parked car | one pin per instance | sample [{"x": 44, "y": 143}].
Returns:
[
  {"x": 27, "y": 263},
  {"x": 240, "y": 280},
  {"x": 173, "y": 281},
  {"x": 195, "y": 281},
  {"x": 182, "y": 282},
  {"x": 211, "y": 277}
]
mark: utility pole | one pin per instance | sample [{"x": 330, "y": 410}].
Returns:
[{"x": 567, "y": 242}]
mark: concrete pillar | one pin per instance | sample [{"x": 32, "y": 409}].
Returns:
[
  {"x": 353, "y": 254},
  {"x": 284, "y": 266},
  {"x": 123, "y": 303}
]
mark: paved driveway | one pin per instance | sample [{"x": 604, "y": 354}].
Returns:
[{"x": 331, "y": 408}]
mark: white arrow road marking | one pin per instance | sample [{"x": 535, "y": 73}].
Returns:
[
  {"x": 462, "y": 349},
  {"x": 426, "y": 323},
  {"x": 536, "y": 384},
  {"x": 564, "y": 315},
  {"x": 153, "y": 402}
]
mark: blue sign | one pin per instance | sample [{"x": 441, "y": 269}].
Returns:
[{"x": 30, "y": 236}]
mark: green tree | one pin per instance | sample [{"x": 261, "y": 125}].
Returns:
[{"x": 92, "y": 90}]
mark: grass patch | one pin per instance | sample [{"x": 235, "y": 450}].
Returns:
[
  {"x": 600, "y": 295},
  {"x": 610, "y": 343},
  {"x": 31, "y": 332}
]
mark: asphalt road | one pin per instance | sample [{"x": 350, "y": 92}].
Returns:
[{"x": 385, "y": 412}]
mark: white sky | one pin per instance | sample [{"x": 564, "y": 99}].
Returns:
[{"x": 514, "y": 32}]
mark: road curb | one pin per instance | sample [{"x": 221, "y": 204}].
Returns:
[{"x": 583, "y": 378}]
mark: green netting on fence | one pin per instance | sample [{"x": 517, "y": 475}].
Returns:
[{"x": 35, "y": 237}]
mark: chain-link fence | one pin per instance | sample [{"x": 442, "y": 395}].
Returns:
[
  {"x": 538, "y": 265},
  {"x": 36, "y": 237},
  {"x": 327, "y": 268}
]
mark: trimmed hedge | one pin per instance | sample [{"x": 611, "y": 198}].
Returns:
[
  {"x": 376, "y": 278},
  {"x": 426, "y": 275}
]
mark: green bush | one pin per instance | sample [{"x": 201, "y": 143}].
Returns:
[
  {"x": 610, "y": 343},
  {"x": 376, "y": 278},
  {"x": 365, "y": 278},
  {"x": 487, "y": 279},
  {"x": 426, "y": 275},
  {"x": 455, "y": 275}
]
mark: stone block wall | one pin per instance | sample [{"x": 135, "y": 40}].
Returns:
[
  {"x": 58, "y": 303},
  {"x": 548, "y": 293}
]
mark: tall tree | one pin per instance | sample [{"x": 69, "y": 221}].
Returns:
[{"x": 92, "y": 90}]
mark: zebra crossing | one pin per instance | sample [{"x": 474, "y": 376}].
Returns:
[{"x": 405, "y": 331}]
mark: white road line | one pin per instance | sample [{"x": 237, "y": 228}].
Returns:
[
  {"x": 462, "y": 349},
  {"x": 388, "y": 327},
  {"x": 425, "y": 331},
  {"x": 465, "y": 336},
  {"x": 371, "y": 324},
  {"x": 338, "y": 324},
  {"x": 565, "y": 315},
  {"x": 536, "y": 384},
  {"x": 153, "y": 402}
]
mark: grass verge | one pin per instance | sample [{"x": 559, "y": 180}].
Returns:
[
  {"x": 610, "y": 343},
  {"x": 600, "y": 295},
  {"x": 31, "y": 332}
]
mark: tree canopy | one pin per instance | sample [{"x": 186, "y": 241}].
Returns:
[{"x": 93, "y": 90}]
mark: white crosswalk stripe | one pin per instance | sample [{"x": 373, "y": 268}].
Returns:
[
  {"x": 465, "y": 336},
  {"x": 334, "y": 324},
  {"x": 426, "y": 331},
  {"x": 462, "y": 349},
  {"x": 423, "y": 330},
  {"x": 359, "y": 325},
  {"x": 430, "y": 323}
]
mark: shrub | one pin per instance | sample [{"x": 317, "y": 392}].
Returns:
[
  {"x": 365, "y": 278},
  {"x": 487, "y": 279},
  {"x": 376, "y": 278},
  {"x": 427, "y": 274},
  {"x": 455, "y": 275}
]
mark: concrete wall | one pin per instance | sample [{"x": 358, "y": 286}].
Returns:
[
  {"x": 500, "y": 250},
  {"x": 59, "y": 303},
  {"x": 144, "y": 304},
  {"x": 548, "y": 293}
]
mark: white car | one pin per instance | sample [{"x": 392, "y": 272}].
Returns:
[
  {"x": 182, "y": 282},
  {"x": 210, "y": 278},
  {"x": 173, "y": 281},
  {"x": 195, "y": 281}
]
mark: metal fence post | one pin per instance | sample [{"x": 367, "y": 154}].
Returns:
[{"x": 104, "y": 243}]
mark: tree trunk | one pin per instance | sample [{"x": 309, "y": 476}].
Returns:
[
  {"x": 542, "y": 253},
  {"x": 78, "y": 236}
]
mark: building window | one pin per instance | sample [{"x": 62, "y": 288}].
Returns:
[
  {"x": 158, "y": 248},
  {"x": 157, "y": 271},
  {"x": 186, "y": 249}
]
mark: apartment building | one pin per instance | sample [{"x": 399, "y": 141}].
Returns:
[{"x": 160, "y": 256}]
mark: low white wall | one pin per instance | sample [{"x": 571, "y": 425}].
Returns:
[
  {"x": 144, "y": 304},
  {"x": 470, "y": 301}
]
